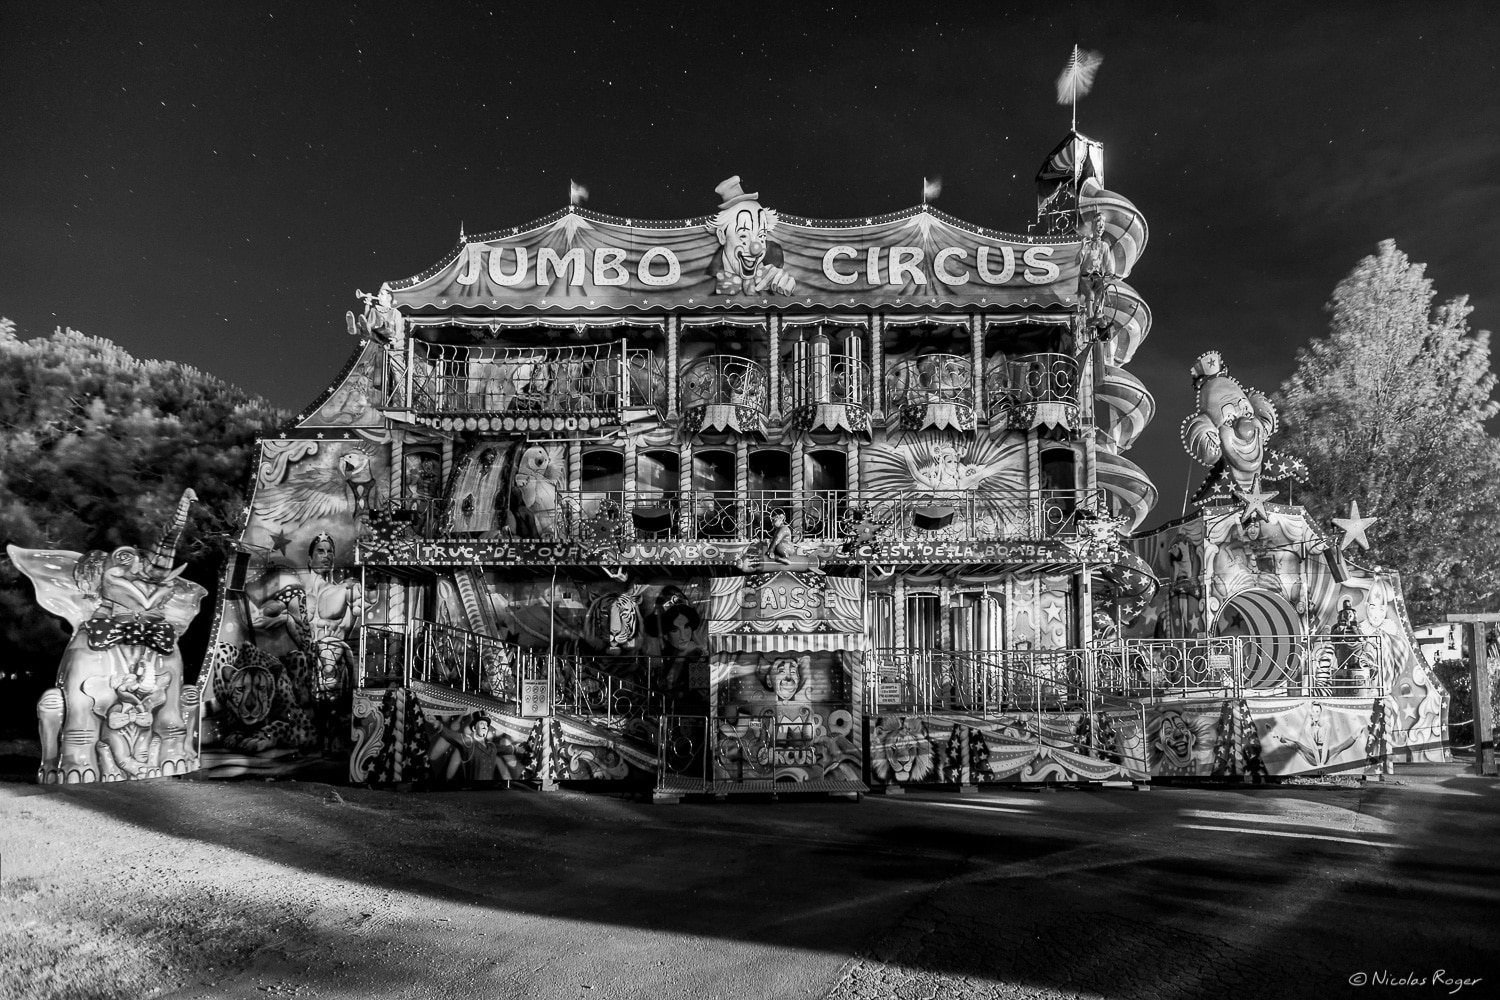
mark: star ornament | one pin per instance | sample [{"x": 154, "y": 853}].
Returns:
[
  {"x": 1354, "y": 527},
  {"x": 1255, "y": 505}
]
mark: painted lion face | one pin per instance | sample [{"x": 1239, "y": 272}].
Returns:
[{"x": 901, "y": 751}]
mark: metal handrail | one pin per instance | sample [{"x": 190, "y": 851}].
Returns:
[
  {"x": 1011, "y": 383},
  {"x": 928, "y": 379},
  {"x": 579, "y": 378},
  {"x": 604, "y": 517},
  {"x": 818, "y": 379},
  {"x": 724, "y": 379}
]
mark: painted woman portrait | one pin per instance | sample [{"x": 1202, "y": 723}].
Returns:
[{"x": 674, "y": 623}]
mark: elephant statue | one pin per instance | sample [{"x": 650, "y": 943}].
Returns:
[{"x": 120, "y": 709}]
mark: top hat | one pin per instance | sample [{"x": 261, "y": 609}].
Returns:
[{"x": 732, "y": 194}]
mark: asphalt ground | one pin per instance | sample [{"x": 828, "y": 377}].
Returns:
[{"x": 251, "y": 889}]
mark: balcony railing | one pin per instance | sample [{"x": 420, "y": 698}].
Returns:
[
  {"x": 1307, "y": 665},
  {"x": 441, "y": 654},
  {"x": 1032, "y": 389},
  {"x": 992, "y": 681},
  {"x": 987, "y": 682},
  {"x": 931, "y": 378},
  {"x": 724, "y": 380},
  {"x": 500, "y": 384},
  {"x": 858, "y": 516},
  {"x": 822, "y": 380}
]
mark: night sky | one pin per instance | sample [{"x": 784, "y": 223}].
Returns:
[{"x": 210, "y": 183}]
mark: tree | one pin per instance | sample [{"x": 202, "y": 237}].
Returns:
[
  {"x": 96, "y": 447},
  {"x": 1389, "y": 410}
]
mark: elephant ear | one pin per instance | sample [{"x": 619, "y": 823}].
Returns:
[
  {"x": 52, "y": 573},
  {"x": 1200, "y": 436}
]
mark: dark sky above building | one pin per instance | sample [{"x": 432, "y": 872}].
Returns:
[{"x": 211, "y": 183}]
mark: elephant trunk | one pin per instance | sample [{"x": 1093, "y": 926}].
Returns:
[{"x": 165, "y": 553}]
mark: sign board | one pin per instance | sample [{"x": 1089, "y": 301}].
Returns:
[
  {"x": 1220, "y": 663},
  {"x": 534, "y": 700},
  {"x": 888, "y": 693}
]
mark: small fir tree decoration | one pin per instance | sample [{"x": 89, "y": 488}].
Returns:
[
  {"x": 387, "y": 767},
  {"x": 537, "y": 760},
  {"x": 1254, "y": 767},
  {"x": 1081, "y": 736},
  {"x": 1374, "y": 753},
  {"x": 1109, "y": 740},
  {"x": 953, "y": 756},
  {"x": 1226, "y": 741},
  {"x": 417, "y": 767},
  {"x": 979, "y": 755}
]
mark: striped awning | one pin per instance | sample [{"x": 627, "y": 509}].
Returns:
[{"x": 789, "y": 642}]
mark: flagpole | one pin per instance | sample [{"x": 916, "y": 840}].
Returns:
[{"x": 1075, "y": 90}]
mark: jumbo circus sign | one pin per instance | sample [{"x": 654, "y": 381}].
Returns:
[{"x": 745, "y": 254}]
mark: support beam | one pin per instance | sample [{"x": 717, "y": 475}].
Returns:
[{"x": 1484, "y": 723}]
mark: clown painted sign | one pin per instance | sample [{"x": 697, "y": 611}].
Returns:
[{"x": 744, "y": 253}]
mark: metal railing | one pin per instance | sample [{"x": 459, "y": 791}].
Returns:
[
  {"x": 724, "y": 379},
  {"x": 1233, "y": 665},
  {"x": 620, "y": 517},
  {"x": 997, "y": 683},
  {"x": 813, "y": 381},
  {"x": 1015, "y": 384},
  {"x": 617, "y": 688},
  {"x": 928, "y": 379},
  {"x": 991, "y": 681},
  {"x": 987, "y": 682},
  {"x": 436, "y": 653},
  {"x": 570, "y": 380}
]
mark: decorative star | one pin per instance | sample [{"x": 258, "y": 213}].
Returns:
[
  {"x": 1054, "y": 612},
  {"x": 1255, "y": 505},
  {"x": 1354, "y": 527},
  {"x": 279, "y": 542}
]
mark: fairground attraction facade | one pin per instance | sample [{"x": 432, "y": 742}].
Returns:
[{"x": 751, "y": 502}]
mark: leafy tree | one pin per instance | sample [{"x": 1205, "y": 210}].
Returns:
[
  {"x": 96, "y": 447},
  {"x": 1389, "y": 410}
]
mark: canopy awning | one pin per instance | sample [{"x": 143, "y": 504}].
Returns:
[{"x": 790, "y": 642}]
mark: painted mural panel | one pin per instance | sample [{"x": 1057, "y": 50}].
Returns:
[
  {"x": 353, "y": 400},
  {"x": 283, "y": 662},
  {"x": 1253, "y": 738},
  {"x": 1016, "y": 747},
  {"x": 784, "y": 717},
  {"x": 439, "y": 738},
  {"x": 1301, "y": 736}
]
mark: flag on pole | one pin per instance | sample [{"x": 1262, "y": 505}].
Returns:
[
  {"x": 1077, "y": 78},
  {"x": 931, "y": 188},
  {"x": 577, "y": 193}
]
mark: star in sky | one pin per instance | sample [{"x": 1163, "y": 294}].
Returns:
[{"x": 1354, "y": 527}]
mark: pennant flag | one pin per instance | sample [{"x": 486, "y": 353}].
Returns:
[
  {"x": 931, "y": 189},
  {"x": 577, "y": 193},
  {"x": 1077, "y": 77}
]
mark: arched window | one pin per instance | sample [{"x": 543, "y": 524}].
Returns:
[
  {"x": 716, "y": 512},
  {"x": 603, "y": 483},
  {"x": 1059, "y": 482}
]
